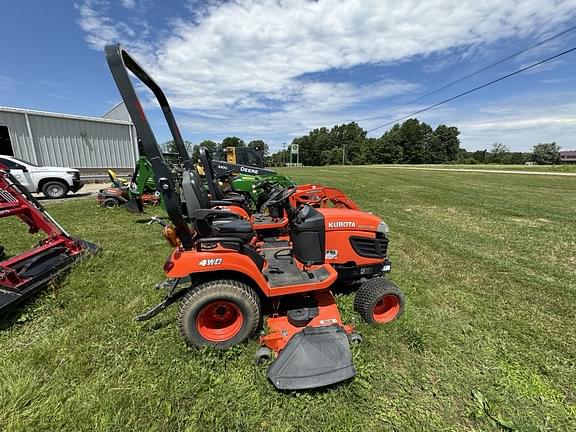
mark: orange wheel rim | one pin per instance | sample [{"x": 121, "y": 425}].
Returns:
[
  {"x": 219, "y": 321},
  {"x": 386, "y": 309}
]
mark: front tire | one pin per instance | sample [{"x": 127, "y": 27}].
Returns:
[
  {"x": 219, "y": 313},
  {"x": 55, "y": 189},
  {"x": 379, "y": 301}
]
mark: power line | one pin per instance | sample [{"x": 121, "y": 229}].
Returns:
[
  {"x": 474, "y": 89},
  {"x": 485, "y": 68}
]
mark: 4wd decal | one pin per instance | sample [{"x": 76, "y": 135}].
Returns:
[
  {"x": 331, "y": 254},
  {"x": 344, "y": 224},
  {"x": 210, "y": 262}
]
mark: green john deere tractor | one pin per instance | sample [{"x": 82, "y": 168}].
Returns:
[{"x": 243, "y": 172}]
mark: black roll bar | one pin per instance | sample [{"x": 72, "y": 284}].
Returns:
[
  {"x": 120, "y": 62},
  {"x": 213, "y": 186}
]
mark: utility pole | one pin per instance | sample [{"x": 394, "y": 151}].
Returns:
[{"x": 343, "y": 154}]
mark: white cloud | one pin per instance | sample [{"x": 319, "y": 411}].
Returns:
[
  {"x": 229, "y": 57},
  {"x": 99, "y": 28},
  {"x": 520, "y": 122},
  {"x": 128, "y": 4}
]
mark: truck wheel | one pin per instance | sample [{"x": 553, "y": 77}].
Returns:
[
  {"x": 219, "y": 313},
  {"x": 54, "y": 189},
  {"x": 379, "y": 301}
]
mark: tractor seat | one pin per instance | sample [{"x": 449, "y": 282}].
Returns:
[
  {"x": 221, "y": 223},
  {"x": 240, "y": 228}
]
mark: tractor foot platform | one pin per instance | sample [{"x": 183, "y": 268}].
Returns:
[{"x": 315, "y": 357}]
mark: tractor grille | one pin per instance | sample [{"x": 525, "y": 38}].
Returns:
[{"x": 370, "y": 247}]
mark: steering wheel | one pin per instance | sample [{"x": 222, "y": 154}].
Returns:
[
  {"x": 280, "y": 196},
  {"x": 265, "y": 184}
]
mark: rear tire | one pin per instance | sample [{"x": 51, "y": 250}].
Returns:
[
  {"x": 54, "y": 189},
  {"x": 379, "y": 301},
  {"x": 111, "y": 203},
  {"x": 219, "y": 313}
]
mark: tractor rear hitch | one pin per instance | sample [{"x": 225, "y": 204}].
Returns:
[{"x": 171, "y": 296}]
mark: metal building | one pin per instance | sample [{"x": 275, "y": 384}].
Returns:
[
  {"x": 567, "y": 156},
  {"x": 89, "y": 143}
]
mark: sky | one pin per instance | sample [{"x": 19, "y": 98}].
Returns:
[{"x": 274, "y": 70}]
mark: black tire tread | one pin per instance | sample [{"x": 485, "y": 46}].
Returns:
[
  {"x": 373, "y": 290},
  {"x": 220, "y": 286},
  {"x": 62, "y": 182}
]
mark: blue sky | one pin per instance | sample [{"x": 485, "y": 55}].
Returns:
[{"x": 274, "y": 70}]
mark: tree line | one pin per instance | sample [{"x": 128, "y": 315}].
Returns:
[{"x": 410, "y": 142}]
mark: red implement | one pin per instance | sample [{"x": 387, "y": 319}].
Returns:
[{"x": 24, "y": 274}]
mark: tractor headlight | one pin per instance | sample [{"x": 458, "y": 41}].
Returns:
[{"x": 383, "y": 228}]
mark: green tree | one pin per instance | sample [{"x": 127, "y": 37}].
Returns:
[
  {"x": 348, "y": 138},
  {"x": 331, "y": 157},
  {"x": 232, "y": 141},
  {"x": 546, "y": 153},
  {"x": 414, "y": 138},
  {"x": 444, "y": 145},
  {"x": 210, "y": 145},
  {"x": 498, "y": 153},
  {"x": 312, "y": 145},
  {"x": 170, "y": 146},
  {"x": 386, "y": 149},
  {"x": 261, "y": 145}
]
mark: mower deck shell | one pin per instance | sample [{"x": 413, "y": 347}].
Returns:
[{"x": 313, "y": 358}]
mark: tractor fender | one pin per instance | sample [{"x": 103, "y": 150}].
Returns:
[
  {"x": 187, "y": 263},
  {"x": 234, "y": 209}
]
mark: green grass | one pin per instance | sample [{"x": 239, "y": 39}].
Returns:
[
  {"x": 488, "y": 339},
  {"x": 531, "y": 168}
]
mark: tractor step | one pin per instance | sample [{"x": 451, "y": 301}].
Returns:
[{"x": 315, "y": 357}]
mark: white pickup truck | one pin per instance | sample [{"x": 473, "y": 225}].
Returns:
[{"x": 53, "y": 182}]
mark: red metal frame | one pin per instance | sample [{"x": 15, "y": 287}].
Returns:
[{"x": 16, "y": 201}]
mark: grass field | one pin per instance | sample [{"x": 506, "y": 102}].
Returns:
[{"x": 487, "y": 342}]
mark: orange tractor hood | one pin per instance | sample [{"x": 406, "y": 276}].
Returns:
[{"x": 340, "y": 219}]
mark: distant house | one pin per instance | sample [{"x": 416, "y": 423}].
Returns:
[{"x": 567, "y": 156}]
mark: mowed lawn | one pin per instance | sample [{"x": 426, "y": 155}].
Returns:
[{"x": 487, "y": 342}]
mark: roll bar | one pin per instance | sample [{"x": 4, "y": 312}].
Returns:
[
  {"x": 213, "y": 186},
  {"x": 120, "y": 62}
]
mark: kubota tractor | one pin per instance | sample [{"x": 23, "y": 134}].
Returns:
[{"x": 228, "y": 279}]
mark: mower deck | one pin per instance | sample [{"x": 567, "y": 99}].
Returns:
[
  {"x": 36, "y": 270},
  {"x": 315, "y": 357}
]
